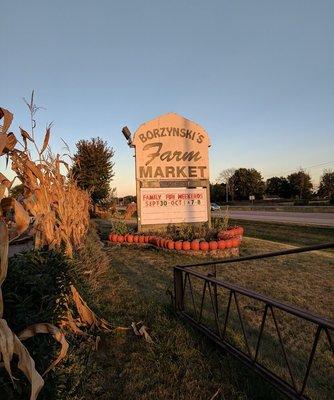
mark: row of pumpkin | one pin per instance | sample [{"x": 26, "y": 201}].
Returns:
[{"x": 185, "y": 245}]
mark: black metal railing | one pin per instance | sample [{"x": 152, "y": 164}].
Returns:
[{"x": 206, "y": 315}]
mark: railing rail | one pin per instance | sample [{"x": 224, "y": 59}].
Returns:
[{"x": 184, "y": 279}]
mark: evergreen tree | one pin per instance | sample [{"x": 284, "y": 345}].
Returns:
[{"x": 93, "y": 169}]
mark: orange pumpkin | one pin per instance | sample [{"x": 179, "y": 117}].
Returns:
[
  {"x": 178, "y": 245},
  {"x": 221, "y": 244},
  {"x": 129, "y": 238},
  {"x": 204, "y": 246},
  {"x": 141, "y": 239},
  {"x": 135, "y": 239},
  {"x": 113, "y": 237},
  {"x": 120, "y": 238},
  {"x": 186, "y": 245},
  {"x": 228, "y": 243},
  {"x": 235, "y": 242},
  {"x": 223, "y": 235},
  {"x": 170, "y": 244},
  {"x": 194, "y": 245},
  {"x": 213, "y": 245}
]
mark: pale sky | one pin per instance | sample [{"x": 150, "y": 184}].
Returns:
[{"x": 257, "y": 75}]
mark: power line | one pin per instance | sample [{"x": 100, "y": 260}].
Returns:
[{"x": 311, "y": 166}]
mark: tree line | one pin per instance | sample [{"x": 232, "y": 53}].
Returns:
[{"x": 238, "y": 184}]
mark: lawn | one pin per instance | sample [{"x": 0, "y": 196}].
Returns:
[
  {"x": 298, "y": 235},
  {"x": 182, "y": 364}
]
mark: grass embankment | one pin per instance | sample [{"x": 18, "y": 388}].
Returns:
[
  {"x": 298, "y": 235},
  {"x": 288, "y": 208},
  {"x": 182, "y": 364}
]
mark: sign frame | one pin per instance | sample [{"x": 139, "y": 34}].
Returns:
[{"x": 191, "y": 151}]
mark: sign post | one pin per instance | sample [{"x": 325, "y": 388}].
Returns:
[{"x": 172, "y": 172}]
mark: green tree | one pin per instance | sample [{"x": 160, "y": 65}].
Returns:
[
  {"x": 301, "y": 184},
  {"x": 326, "y": 187},
  {"x": 248, "y": 182},
  {"x": 93, "y": 169},
  {"x": 217, "y": 192},
  {"x": 278, "y": 186},
  {"x": 226, "y": 177}
]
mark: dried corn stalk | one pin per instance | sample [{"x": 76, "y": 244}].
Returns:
[
  {"x": 60, "y": 210},
  {"x": 87, "y": 317}
]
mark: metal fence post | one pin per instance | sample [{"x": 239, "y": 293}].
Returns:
[{"x": 178, "y": 290}]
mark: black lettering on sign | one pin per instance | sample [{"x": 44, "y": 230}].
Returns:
[
  {"x": 169, "y": 155},
  {"x": 170, "y": 172},
  {"x": 200, "y": 138},
  {"x": 152, "y": 155},
  {"x": 188, "y": 134},
  {"x": 176, "y": 131},
  {"x": 202, "y": 168},
  {"x": 180, "y": 172},
  {"x": 190, "y": 155},
  {"x": 145, "y": 172},
  {"x": 149, "y": 135},
  {"x": 192, "y": 172},
  {"x": 156, "y": 133},
  {"x": 158, "y": 173}
]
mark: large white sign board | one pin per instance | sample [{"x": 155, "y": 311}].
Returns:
[
  {"x": 172, "y": 172},
  {"x": 173, "y": 205}
]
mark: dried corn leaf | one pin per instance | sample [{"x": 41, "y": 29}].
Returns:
[
  {"x": 26, "y": 135},
  {"x": 21, "y": 217},
  {"x": 87, "y": 316},
  {"x": 3, "y": 142},
  {"x": 57, "y": 334},
  {"x": 135, "y": 330},
  {"x": 34, "y": 169},
  {"x": 2, "y": 191},
  {"x": 7, "y": 119},
  {"x": 4, "y": 244},
  {"x": 4, "y": 181},
  {"x": 70, "y": 323},
  {"x": 9, "y": 345},
  {"x": 143, "y": 332},
  {"x": 7, "y": 143},
  {"x": 46, "y": 139}
]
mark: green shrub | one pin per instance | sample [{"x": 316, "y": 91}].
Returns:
[
  {"x": 119, "y": 227},
  {"x": 34, "y": 291}
]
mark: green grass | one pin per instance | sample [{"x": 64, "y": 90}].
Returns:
[
  {"x": 182, "y": 364},
  {"x": 298, "y": 235}
]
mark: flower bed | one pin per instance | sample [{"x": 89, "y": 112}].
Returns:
[{"x": 227, "y": 242}]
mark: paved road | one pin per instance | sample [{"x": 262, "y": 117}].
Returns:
[{"x": 325, "y": 219}]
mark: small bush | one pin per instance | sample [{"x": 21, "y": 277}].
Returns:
[{"x": 35, "y": 290}]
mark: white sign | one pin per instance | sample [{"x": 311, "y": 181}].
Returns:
[
  {"x": 173, "y": 205},
  {"x": 171, "y": 147}
]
